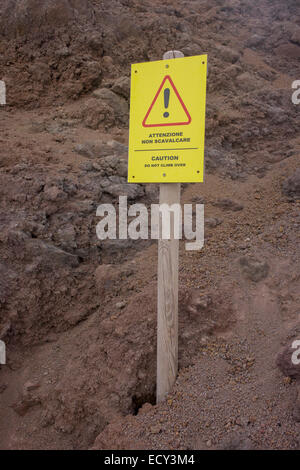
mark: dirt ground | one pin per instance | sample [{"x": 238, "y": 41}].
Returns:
[{"x": 78, "y": 315}]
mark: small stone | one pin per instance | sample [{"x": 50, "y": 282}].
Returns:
[
  {"x": 229, "y": 205},
  {"x": 246, "y": 81},
  {"x": 236, "y": 442},
  {"x": 228, "y": 54},
  {"x": 24, "y": 405},
  {"x": 3, "y": 387},
  {"x": 296, "y": 37},
  {"x": 122, "y": 86},
  {"x": 253, "y": 268},
  {"x": 63, "y": 52},
  {"x": 120, "y": 305},
  {"x": 156, "y": 429},
  {"x": 53, "y": 193},
  {"x": 31, "y": 385},
  {"x": 212, "y": 222},
  {"x": 116, "y": 102},
  {"x": 287, "y": 380},
  {"x": 132, "y": 191},
  {"x": 255, "y": 40},
  {"x": 291, "y": 186}
]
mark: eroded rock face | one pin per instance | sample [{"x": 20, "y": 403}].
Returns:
[
  {"x": 24, "y": 17},
  {"x": 41, "y": 39}
]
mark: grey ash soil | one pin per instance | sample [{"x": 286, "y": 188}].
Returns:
[{"x": 78, "y": 315}]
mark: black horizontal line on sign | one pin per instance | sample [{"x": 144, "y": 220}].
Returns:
[{"x": 162, "y": 150}]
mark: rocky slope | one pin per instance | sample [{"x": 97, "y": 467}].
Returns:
[{"x": 79, "y": 315}]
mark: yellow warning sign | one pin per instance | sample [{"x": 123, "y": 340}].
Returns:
[{"x": 167, "y": 121}]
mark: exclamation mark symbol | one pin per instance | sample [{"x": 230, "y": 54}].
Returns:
[{"x": 166, "y": 101}]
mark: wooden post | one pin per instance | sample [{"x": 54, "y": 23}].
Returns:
[{"x": 167, "y": 291}]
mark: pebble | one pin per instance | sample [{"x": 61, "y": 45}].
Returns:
[{"x": 120, "y": 305}]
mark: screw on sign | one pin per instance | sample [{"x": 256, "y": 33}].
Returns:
[{"x": 167, "y": 124}]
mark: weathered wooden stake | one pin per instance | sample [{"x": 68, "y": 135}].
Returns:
[{"x": 167, "y": 295}]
